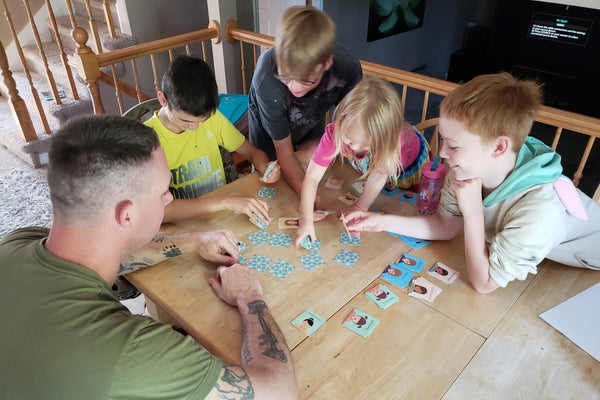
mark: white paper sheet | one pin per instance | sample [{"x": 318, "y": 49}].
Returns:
[{"x": 579, "y": 319}]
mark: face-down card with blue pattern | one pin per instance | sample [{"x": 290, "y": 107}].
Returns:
[
  {"x": 267, "y": 192},
  {"x": 347, "y": 258},
  {"x": 259, "y": 263},
  {"x": 281, "y": 240},
  {"x": 411, "y": 263},
  {"x": 397, "y": 275},
  {"x": 312, "y": 246},
  {"x": 281, "y": 269},
  {"x": 256, "y": 220},
  {"x": 259, "y": 237},
  {"x": 312, "y": 260},
  {"x": 349, "y": 239}
]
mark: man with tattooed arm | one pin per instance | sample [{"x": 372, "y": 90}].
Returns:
[{"x": 64, "y": 333}]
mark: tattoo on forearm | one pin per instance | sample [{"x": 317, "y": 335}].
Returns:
[
  {"x": 246, "y": 354},
  {"x": 234, "y": 383},
  {"x": 132, "y": 266},
  {"x": 158, "y": 238},
  {"x": 171, "y": 251},
  {"x": 268, "y": 338}
]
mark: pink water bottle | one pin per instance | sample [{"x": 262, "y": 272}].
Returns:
[{"x": 430, "y": 189}]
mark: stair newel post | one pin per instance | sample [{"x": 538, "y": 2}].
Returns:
[
  {"x": 40, "y": 46},
  {"x": 63, "y": 55},
  {"x": 34, "y": 92},
  {"x": 88, "y": 67},
  {"x": 16, "y": 103}
]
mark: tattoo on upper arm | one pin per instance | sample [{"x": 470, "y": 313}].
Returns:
[
  {"x": 268, "y": 338},
  {"x": 234, "y": 383}
]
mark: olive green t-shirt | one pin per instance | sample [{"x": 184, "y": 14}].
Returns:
[{"x": 65, "y": 335}]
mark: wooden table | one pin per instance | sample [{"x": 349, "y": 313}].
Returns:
[{"x": 460, "y": 346}]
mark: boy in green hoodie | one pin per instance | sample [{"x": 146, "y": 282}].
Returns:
[{"x": 504, "y": 188}]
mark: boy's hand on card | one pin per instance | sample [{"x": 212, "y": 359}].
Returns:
[
  {"x": 272, "y": 173},
  {"x": 251, "y": 206},
  {"x": 468, "y": 195}
]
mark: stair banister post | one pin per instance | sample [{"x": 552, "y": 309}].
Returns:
[
  {"x": 17, "y": 105},
  {"x": 87, "y": 67}
]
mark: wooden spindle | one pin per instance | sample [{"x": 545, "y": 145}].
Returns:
[
  {"x": 71, "y": 13},
  {"x": 109, "y": 19},
  {"x": 34, "y": 92},
  {"x": 579, "y": 173},
  {"x": 170, "y": 54},
  {"x": 425, "y": 105},
  {"x": 153, "y": 62},
  {"x": 63, "y": 55},
  {"x": 243, "y": 69},
  {"x": 556, "y": 138},
  {"x": 138, "y": 88},
  {"x": 93, "y": 28},
  {"x": 17, "y": 105},
  {"x": 117, "y": 89},
  {"x": 40, "y": 46}
]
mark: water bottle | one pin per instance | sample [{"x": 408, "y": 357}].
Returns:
[{"x": 430, "y": 189}]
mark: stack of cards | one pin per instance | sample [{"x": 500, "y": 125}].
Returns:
[
  {"x": 397, "y": 275},
  {"x": 421, "y": 288},
  {"x": 443, "y": 272},
  {"x": 411, "y": 263}
]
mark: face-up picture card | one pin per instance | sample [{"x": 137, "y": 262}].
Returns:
[
  {"x": 281, "y": 269},
  {"x": 359, "y": 186},
  {"x": 267, "y": 192},
  {"x": 413, "y": 242},
  {"x": 334, "y": 182},
  {"x": 360, "y": 322},
  {"x": 390, "y": 190},
  {"x": 259, "y": 237},
  {"x": 281, "y": 240},
  {"x": 308, "y": 322},
  {"x": 259, "y": 263},
  {"x": 312, "y": 246},
  {"x": 397, "y": 275},
  {"x": 288, "y": 223},
  {"x": 408, "y": 196},
  {"x": 348, "y": 198},
  {"x": 421, "y": 288},
  {"x": 443, "y": 272},
  {"x": 411, "y": 262},
  {"x": 347, "y": 258},
  {"x": 382, "y": 296},
  {"x": 311, "y": 261}
]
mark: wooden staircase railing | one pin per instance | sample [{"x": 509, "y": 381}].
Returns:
[{"x": 21, "y": 115}]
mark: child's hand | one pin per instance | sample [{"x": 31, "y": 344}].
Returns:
[
  {"x": 306, "y": 228},
  {"x": 251, "y": 206},
  {"x": 468, "y": 195},
  {"x": 273, "y": 175},
  {"x": 362, "y": 221}
]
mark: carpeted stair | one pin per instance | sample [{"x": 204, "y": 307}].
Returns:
[{"x": 56, "y": 114}]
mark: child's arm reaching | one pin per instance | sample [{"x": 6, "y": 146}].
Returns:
[
  {"x": 373, "y": 186},
  {"x": 313, "y": 176},
  {"x": 180, "y": 209},
  {"x": 260, "y": 160}
]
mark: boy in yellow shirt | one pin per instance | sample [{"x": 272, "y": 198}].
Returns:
[{"x": 190, "y": 130}]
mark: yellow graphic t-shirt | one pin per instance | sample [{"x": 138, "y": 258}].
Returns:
[{"x": 193, "y": 156}]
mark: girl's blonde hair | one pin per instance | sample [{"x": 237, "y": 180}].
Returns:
[{"x": 374, "y": 107}]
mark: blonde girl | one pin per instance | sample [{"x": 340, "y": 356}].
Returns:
[{"x": 370, "y": 133}]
